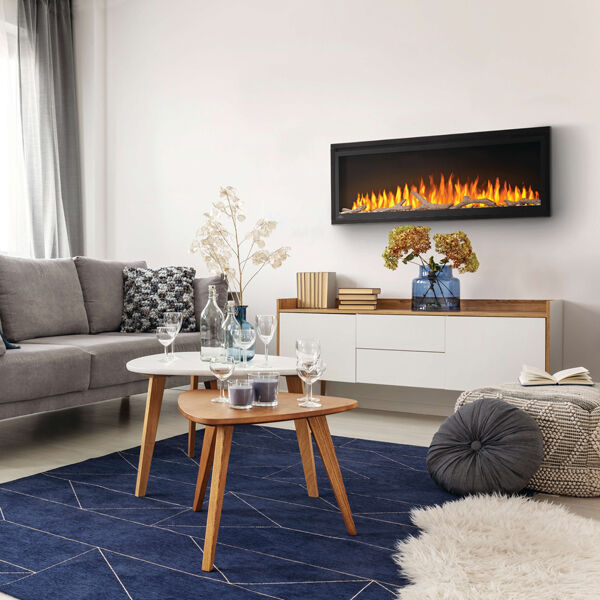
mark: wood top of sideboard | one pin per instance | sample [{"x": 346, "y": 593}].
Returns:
[{"x": 469, "y": 308}]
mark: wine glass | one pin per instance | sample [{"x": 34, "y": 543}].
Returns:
[
  {"x": 166, "y": 335},
  {"x": 308, "y": 349},
  {"x": 265, "y": 329},
  {"x": 244, "y": 337},
  {"x": 174, "y": 319},
  {"x": 222, "y": 368},
  {"x": 309, "y": 372}
]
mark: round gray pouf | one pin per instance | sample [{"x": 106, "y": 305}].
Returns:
[{"x": 486, "y": 446}]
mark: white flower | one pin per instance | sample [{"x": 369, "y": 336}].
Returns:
[{"x": 219, "y": 247}]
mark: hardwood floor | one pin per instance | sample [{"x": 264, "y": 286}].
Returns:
[{"x": 37, "y": 443}]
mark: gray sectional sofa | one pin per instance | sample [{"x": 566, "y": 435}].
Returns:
[{"x": 65, "y": 314}]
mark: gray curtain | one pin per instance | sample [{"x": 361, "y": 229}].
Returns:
[{"x": 50, "y": 126}]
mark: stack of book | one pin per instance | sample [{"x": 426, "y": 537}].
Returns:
[
  {"x": 316, "y": 290},
  {"x": 358, "y": 298}
]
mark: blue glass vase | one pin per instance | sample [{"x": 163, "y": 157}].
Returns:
[
  {"x": 438, "y": 291},
  {"x": 240, "y": 315}
]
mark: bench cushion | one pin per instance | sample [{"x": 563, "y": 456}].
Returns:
[
  {"x": 102, "y": 286},
  {"x": 110, "y": 352},
  {"x": 40, "y": 298},
  {"x": 39, "y": 370}
]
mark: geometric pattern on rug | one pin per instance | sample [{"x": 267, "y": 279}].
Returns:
[{"x": 79, "y": 531}]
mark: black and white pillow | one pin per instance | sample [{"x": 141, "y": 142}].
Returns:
[{"x": 149, "y": 293}]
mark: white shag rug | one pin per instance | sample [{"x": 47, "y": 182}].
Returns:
[{"x": 500, "y": 548}]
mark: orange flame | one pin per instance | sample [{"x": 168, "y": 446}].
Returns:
[{"x": 448, "y": 191}]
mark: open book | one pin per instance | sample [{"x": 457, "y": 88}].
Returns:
[{"x": 575, "y": 376}]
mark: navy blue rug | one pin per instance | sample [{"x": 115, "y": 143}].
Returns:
[{"x": 78, "y": 532}]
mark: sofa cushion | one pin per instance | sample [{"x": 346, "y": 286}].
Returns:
[
  {"x": 102, "y": 286},
  {"x": 149, "y": 293},
  {"x": 2, "y": 347},
  {"x": 39, "y": 370},
  {"x": 40, "y": 298},
  {"x": 201, "y": 294},
  {"x": 110, "y": 352}
]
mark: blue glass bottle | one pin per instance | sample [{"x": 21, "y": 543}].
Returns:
[
  {"x": 438, "y": 291},
  {"x": 240, "y": 315}
]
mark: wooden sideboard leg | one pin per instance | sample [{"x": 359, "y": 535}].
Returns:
[
  {"x": 320, "y": 429},
  {"x": 217, "y": 489},
  {"x": 294, "y": 384},
  {"x": 156, "y": 388},
  {"x": 192, "y": 424},
  {"x": 307, "y": 455},
  {"x": 206, "y": 462}
]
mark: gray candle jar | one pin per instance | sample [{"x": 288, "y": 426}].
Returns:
[
  {"x": 265, "y": 387},
  {"x": 241, "y": 393}
]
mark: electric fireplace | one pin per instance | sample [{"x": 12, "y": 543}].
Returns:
[{"x": 464, "y": 176}]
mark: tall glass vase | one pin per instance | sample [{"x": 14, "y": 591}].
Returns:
[
  {"x": 240, "y": 315},
  {"x": 436, "y": 291}
]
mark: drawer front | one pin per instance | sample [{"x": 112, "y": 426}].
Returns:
[
  {"x": 337, "y": 334},
  {"x": 401, "y": 332},
  {"x": 397, "y": 367},
  {"x": 487, "y": 351}
]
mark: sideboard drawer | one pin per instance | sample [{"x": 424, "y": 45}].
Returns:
[
  {"x": 418, "y": 333},
  {"x": 337, "y": 334},
  {"x": 396, "y": 367}
]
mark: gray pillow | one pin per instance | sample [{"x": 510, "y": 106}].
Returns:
[
  {"x": 102, "y": 286},
  {"x": 40, "y": 298},
  {"x": 149, "y": 293},
  {"x": 201, "y": 293},
  {"x": 486, "y": 446}
]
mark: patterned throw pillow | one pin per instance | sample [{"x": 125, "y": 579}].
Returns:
[{"x": 149, "y": 293}]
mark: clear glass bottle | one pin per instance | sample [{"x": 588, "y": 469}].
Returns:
[
  {"x": 229, "y": 324},
  {"x": 211, "y": 328}
]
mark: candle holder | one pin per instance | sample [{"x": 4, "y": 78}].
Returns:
[
  {"x": 241, "y": 394},
  {"x": 265, "y": 386}
]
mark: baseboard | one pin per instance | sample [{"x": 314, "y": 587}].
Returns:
[{"x": 422, "y": 401}]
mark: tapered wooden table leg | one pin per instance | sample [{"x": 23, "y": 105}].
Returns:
[
  {"x": 217, "y": 489},
  {"x": 307, "y": 455},
  {"x": 320, "y": 429},
  {"x": 294, "y": 384},
  {"x": 192, "y": 424},
  {"x": 156, "y": 388},
  {"x": 206, "y": 462}
]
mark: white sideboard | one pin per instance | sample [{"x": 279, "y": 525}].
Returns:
[{"x": 484, "y": 344}]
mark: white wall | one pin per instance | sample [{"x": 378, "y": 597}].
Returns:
[{"x": 208, "y": 93}]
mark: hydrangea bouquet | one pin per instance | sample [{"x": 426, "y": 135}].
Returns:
[
  {"x": 435, "y": 289},
  {"x": 239, "y": 256}
]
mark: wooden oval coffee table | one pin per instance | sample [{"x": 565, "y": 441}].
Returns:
[{"x": 219, "y": 421}]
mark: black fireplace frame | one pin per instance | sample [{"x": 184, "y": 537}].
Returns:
[{"x": 540, "y": 135}]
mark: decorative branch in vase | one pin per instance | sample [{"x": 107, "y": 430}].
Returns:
[
  {"x": 227, "y": 250},
  {"x": 435, "y": 289}
]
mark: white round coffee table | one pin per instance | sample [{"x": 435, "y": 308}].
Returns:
[{"x": 190, "y": 365}]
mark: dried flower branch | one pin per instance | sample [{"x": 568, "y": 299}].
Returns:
[{"x": 220, "y": 246}]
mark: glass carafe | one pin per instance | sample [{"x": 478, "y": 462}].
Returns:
[
  {"x": 211, "y": 328},
  {"x": 229, "y": 324}
]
